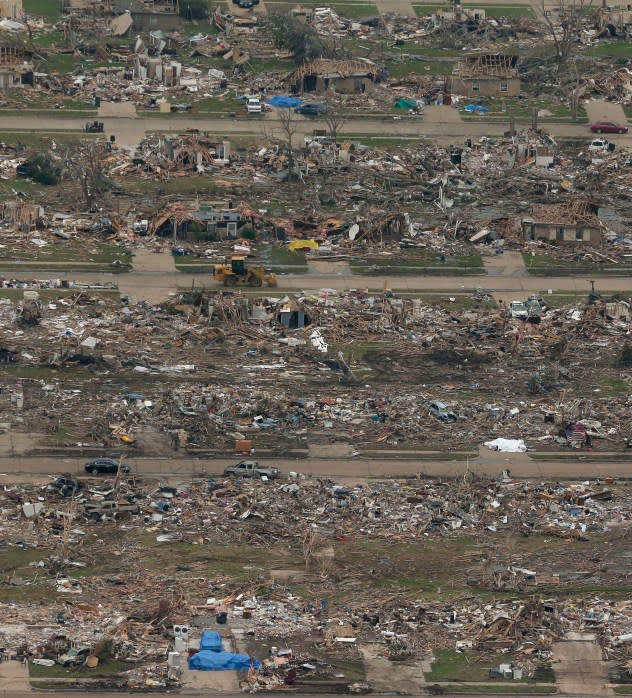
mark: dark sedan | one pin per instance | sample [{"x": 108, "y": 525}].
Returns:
[
  {"x": 608, "y": 127},
  {"x": 311, "y": 109},
  {"x": 105, "y": 466}
]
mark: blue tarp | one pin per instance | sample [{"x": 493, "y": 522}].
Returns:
[
  {"x": 285, "y": 102},
  {"x": 207, "y": 660},
  {"x": 211, "y": 640},
  {"x": 212, "y": 657},
  {"x": 476, "y": 109}
]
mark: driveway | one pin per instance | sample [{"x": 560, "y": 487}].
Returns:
[
  {"x": 599, "y": 110},
  {"x": 579, "y": 667}
]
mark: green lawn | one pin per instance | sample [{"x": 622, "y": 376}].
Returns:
[
  {"x": 614, "y": 49},
  {"x": 504, "y": 688},
  {"x": 112, "y": 666},
  {"x": 354, "y": 10},
  {"x": 47, "y": 8},
  {"x": 450, "y": 665},
  {"x": 507, "y": 10},
  {"x": 415, "y": 262},
  {"x": 547, "y": 265}
]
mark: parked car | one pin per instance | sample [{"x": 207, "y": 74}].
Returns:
[
  {"x": 608, "y": 127},
  {"x": 105, "y": 466},
  {"x": 251, "y": 468},
  {"x": 442, "y": 412},
  {"x": 311, "y": 109},
  {"x": 518, "y": 310}
]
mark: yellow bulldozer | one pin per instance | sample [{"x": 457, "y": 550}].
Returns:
[{"x": 237, "y": 273}]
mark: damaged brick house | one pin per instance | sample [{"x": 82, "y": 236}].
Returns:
[
  {"x": 486, "y": 75},
  {"x": 343, "y": 76},
  {"x": 570, "y": 222}
]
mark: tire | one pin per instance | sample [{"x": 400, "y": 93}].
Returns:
[
  {"x": 621, "y": 130},
  {"x": 597, "y": 130},
  {"x": 230, "y": 281},
  {"x": 255, "y": 281}
]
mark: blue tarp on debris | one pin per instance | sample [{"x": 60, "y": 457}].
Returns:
[
  {"x": 476, "y": 109},
  {"x": 284, "y": 102},
  {"x": 211, "y": 640},
  {"x": 212, "y": 656}
]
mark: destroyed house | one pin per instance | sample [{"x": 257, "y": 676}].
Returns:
[
  {"x": 344, "y": 76},
  {"x": 11, "y": 9},
  {"x": 571, "y": 222},
  {"x": 486, "y": 75},
  {"x": 14, "y": 68},
  {"x": 197, "y": 222},
  {"x": 151, "y": 15}
]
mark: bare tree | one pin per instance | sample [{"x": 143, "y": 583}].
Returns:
[
  {"x": 335, "y": 121},
  {"x": 563, "y": 21},
  {"x": 289, "y": 127},
  {"x": 85, "y": 163}
]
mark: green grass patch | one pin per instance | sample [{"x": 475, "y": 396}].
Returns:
[
  {"x": 611, "y": 49},
  {"x": 421, "y": 10},
  {"x": 51, "y": 9},
  {"x": 547, "y": 265},
  {"x": 107, "y": 668},
  {"x": 623, "y": 690},
  {"x": 450, "y": 665},
  {"x": 484, "y": 689},
  {"x": 614, "y": 387},
  {"x": 355, "y": 10},
  {"x": 416, "y": 262},
  {"x": 507, "y": 10},
  {"x": 71, "y": 252}
]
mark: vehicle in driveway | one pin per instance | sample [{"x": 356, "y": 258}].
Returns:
[
  {"x": 311, "y": 109},
  {"x": 608, "y": 127},
  {"x": 105, "y": 466},
  {"x": 251, "y": 468}
]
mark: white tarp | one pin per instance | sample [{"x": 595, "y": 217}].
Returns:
[{"x": 507, "y": 445}]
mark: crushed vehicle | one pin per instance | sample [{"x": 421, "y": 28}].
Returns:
[
  {"x": 251, "y": 468},
  {"x": 98, "y": 508},
  {"x": 518, "y": 310},
  {"x": 441, "y": 411},
  {"x": 74, "y": 656}
]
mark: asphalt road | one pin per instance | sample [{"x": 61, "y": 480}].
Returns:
[
  {"x": 130, "y": 130},
  {"x": 156, "y": 286},
  {"x": 24, "y": 468}
]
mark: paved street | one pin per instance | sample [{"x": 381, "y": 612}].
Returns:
[
  {"x": 488, "y": 462},
  {"x": 442, "y": 131}
]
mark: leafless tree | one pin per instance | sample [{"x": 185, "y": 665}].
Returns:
[
  {"x": 563, "y": 20},
  {"x": 289, "y": 127},
  {"x": 335, "y": 121},
  {"x": 85, "y": 164}
]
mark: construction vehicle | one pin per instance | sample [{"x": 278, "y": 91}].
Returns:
[
  {"x": 94, "y": 127},
  {"x": 238, "y": 274}
]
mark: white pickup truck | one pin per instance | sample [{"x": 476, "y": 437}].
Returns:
[
  {"x": 254, "y": 106},
  {"x": 251, "y": 468}
]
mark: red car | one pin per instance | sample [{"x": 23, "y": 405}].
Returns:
[{"x": 608, "y": 127}]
